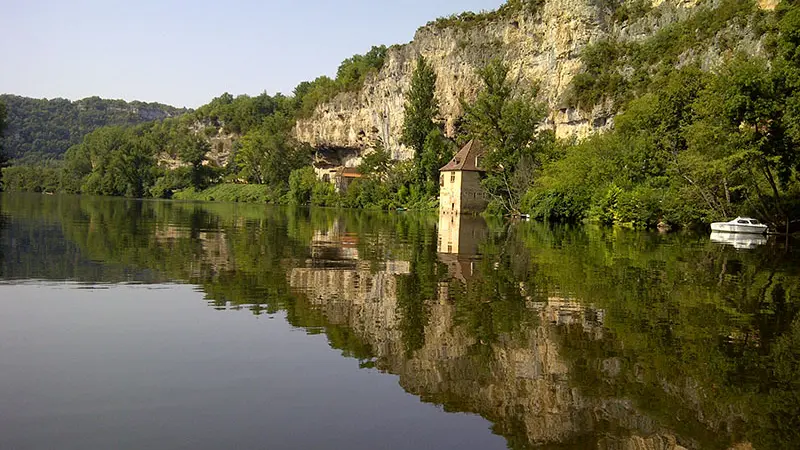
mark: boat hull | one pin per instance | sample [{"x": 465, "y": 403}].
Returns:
[{"x": 726, "y": 227}]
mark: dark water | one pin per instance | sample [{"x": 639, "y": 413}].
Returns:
[{"x": 134, "y": 325}]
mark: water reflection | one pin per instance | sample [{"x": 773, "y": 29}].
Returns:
[
  {"x": 738, "y": 240},
  {"x": 562, "y": 337}
]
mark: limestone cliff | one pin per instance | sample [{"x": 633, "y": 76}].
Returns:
[{"x": 541, "y": 45}]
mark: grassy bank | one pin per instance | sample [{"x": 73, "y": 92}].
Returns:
[{"x": 238, "y": 193}]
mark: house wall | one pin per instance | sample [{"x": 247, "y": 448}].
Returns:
[
  {"x": 473, "y": 197},
  {"x": 330, "y": 172},
  {"x": 450, "y": 192},
  {"x": 460, "y": 192}
]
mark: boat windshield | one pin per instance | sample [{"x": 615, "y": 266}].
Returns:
[
  {"x": 754, "y": 221},
  {"x": 743, "y": 221}
]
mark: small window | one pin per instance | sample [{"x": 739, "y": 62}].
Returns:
[
  {"x": 755, "y": 222},
  {"x": 326, "y": 178},
  {"x": 743, "y": 222},
  {"x": 441, "y": 180},
  {"x": 452, "y": 177}
]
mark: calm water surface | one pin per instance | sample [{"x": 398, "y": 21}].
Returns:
[{"x": 134, "y": 325}]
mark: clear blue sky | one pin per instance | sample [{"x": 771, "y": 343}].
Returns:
[{"x": 186, "y": 52}]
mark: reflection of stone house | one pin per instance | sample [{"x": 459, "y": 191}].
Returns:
[
  {"x": 461, "y": 235},
  {"x": 460, "y": 190},
  {"x": 458, "y": 246}
]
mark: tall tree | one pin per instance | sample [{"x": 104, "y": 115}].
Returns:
[
  {"x": 746, "y": 127},
  {"x": 269, "y": 154},
  {"x": 421, "y": 111},
  {"x": 506, "y": 121},
  {"x": 192, "y": 151}
]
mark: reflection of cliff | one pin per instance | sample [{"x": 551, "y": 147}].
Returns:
[
  {"x": 214, "y": 252},
  {"x": 698, "y": 342},
  {"x": 520, "y": 380},
  {"x": 337, "y": 281}
]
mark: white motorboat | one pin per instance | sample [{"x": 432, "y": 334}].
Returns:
[
  {"x": 740, "y": 225},
  {"x": 739, "y": 241}
]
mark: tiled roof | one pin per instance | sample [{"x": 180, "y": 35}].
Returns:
[
  {"x": 467, "y": 159},
  {"x": 351, "y": 172}
]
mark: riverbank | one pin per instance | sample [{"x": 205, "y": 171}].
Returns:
[
  {"x": 257, "y": 193},
  {"x": 234, "y": 193}
]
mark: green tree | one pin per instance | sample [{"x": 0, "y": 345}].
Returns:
[
  {"x": 744, "y": 134},
  {"x": 193, "y": 152},
  {"x": 41, "y": 129},
  {"x": 376, "y": 164},
  {"x": 436, "y": 152},
  {"x": 506, "y": 121},
  {"x": 268, "y": 154},
  {"x": 421, "y": 109}
]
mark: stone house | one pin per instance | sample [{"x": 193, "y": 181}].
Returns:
[
  {"x": 460, "y": 190},
  {"x": 337, "y": 166}
]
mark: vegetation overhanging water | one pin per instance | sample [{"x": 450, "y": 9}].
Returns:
[{"x": 622, "y": 334}]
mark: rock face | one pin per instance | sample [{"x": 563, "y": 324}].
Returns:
[{"x": 541, "y": 47}]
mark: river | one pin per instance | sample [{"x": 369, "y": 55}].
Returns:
[{"x": 153, "y": 324}]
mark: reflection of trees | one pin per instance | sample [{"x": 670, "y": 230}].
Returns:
[
  {"x": 418, "y": 289},
  {"x": 698, "y": 331},
  {"x": 561, "y": 336}
]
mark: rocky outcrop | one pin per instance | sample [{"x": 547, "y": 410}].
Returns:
[{"x": 541, "y": 47}]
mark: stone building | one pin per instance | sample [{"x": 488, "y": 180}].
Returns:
[
  {"x": 460, "y": 190},
  {"x": 338, "y": 166}
]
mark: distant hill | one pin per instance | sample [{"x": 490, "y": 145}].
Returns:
[{"x": 41, "y": 129}]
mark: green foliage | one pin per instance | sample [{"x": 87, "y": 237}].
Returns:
[
  {"x": 436, "y": 152},
  {"x": 507, "y": 124},
  {"x": 600, "y": 78},
  {"x": 41, "y": 129},
  {"x": 241, "y": 114},
  {"x": 470, "y": 20},
  {"x": 376, "y": 164},
  {"x": 631, "y": 11},
  {"x": 699, "y": 147},
  {"x": 350, "y": 77},
  {"x": 112, "y": 161},
  {"x": 31, "y": 178},
  {"x": 421, "y": 132},
  {"x": 622, "y": 71},
  {"x": 421, "y": 108},
  {"x": 269, "y": 154},
  {"x": 306, "y": 189},
  {"x": 301, "y": 185},
  {"x": 353, "y": 71},
  {"x": 171, "y": 181},
  {"x": 192, "y": 151},
  {"x": 309, "y": 94},
  {"x": 232, "y": 193}
]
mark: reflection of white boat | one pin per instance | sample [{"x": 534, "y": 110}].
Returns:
[
  {"x": 740, "y": 225},
  {"x": 739, "y": 240}
]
